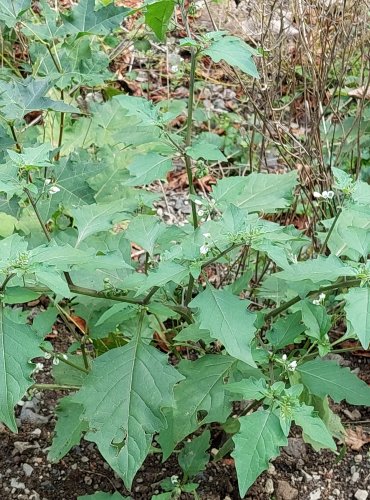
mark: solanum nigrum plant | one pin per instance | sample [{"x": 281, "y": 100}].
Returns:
[{"x": 166, "y": 355}]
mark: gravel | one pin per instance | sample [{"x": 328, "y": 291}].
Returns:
[
  {"x": 27, "y": 469},
  {"x": 361, "y": 495},
  {"x": 285, "y": 491}
]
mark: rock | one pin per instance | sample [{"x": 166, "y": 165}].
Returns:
[
  {"x": 285, "y": 491},
  {"x": 14, "y": 483},
  {"x": 361, "y": 495},
  {"x": 271, "y": 470},
  {"x": 315, "y": 495},
  {"x": 306, "y": 475},
  {"x": 352, "y": 415},
  {"x": 269, "y": 486},
  {"x": 84, "y": 459},
  {"x": 28, "y": 469},
  {"x": 21, "y": 446},
  {"x": 30, "y": 417},
  {"x": 355, "y": 477},
  {"x": 336, "y": 492},
  {"x": 88, "y": 480},
  {"x": 358, "y": 459},
  {"x": 296, "y": 448},
  {"x": 36, "y": 432}
]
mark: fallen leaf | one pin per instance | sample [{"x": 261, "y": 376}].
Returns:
[
  {"x": 360, "y": 93},
  {"x": 356, "y": 438}
]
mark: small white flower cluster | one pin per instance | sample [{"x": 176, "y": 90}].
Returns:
[
  {"x": 38, "y": 368},
  {"x": 49, "y": 355},
  {"x": 320, "y": 300},
  {"x": 174, "y": 480},
  {"x": 325, "y": 195},
  {"x": 204, "y": 249},
  {"x": 292, "y": 365},
  {"x": 53, "y": 189},
  {"x": 202, "y": 212}
]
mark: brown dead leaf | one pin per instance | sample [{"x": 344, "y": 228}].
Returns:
[
  {"x": 79, "y": 322},
  {"x": 356, "y": 438},
  {"x": 360, "y": 93}
]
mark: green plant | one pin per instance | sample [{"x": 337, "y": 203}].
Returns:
[{"x": 70, "y": 207}]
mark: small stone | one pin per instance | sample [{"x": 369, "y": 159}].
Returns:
[
  {"x": 285, "y": 491},
  {"x": 14, "y": 483},
  {"x": 361, "y": 495},
  {"x": 28, "y": 469},
  {"x": 269, "y": 486},
  {"x": 271, "y": 470},
  {"x": 36, "y": 432},
  {"x": 315, "y": 495},
  {"x": 88, "y": 480},
  {"x": 22, "y": 446},
  {"x": 306, "y": 475},
  {"x": 74, "y": 466},
  {"x": 358, "y": 459},
  {"x": 296, "y": 448},
  {"x": 30, "y": 417},
  {"x": 336, "y": 492},
  {"x": 355, "y": 477},
  {"x": 84, "y": 459}
]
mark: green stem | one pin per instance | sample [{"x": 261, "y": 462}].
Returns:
[
  {"x": 189, "y": 291},
  {"x": 36, "y": 210},
  {"x": 14, "y": 135},
  {"x": 189, "y": 126},
  {"x": 79, "y": 290},
  {"x": 221, "y": 254},
  {"x": 147, "y": 298},
  {"x": 56, "y": 387},
  {"x": 6, "y": 281},
  {"x": 66, "y": 361},
  {"x": 189, "y": 121},
  {"x": 326, "y": 288},
  {"x": 323, "y": 248}
]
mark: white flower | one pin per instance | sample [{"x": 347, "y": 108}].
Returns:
[
  {"x": 316, "y": 302},
  {"x": 47, "y": 182},
  {"x": 316, "y": 194},
  {"x": 175, "y": 480},
  {"x": 292, "y": 366},
  {"x": 322, "y": 296},
  {"x": 200, "y": 213},
  {"x": 47, "y": 355},
  {"x": 55, "y": 361},
  {"x": 64, "y": 356},
  {"x": 327, "y": 195},
  {"x": 207, "y": 235},
  {"x": 38, "y": 367},
  {"x": 204, "y": 249},
  {"x": 198, "y": 202},
  {"x": 54, "y": 190},
  {"x": 284, "y": 357},
  {"x": 174, "y": 68}
]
